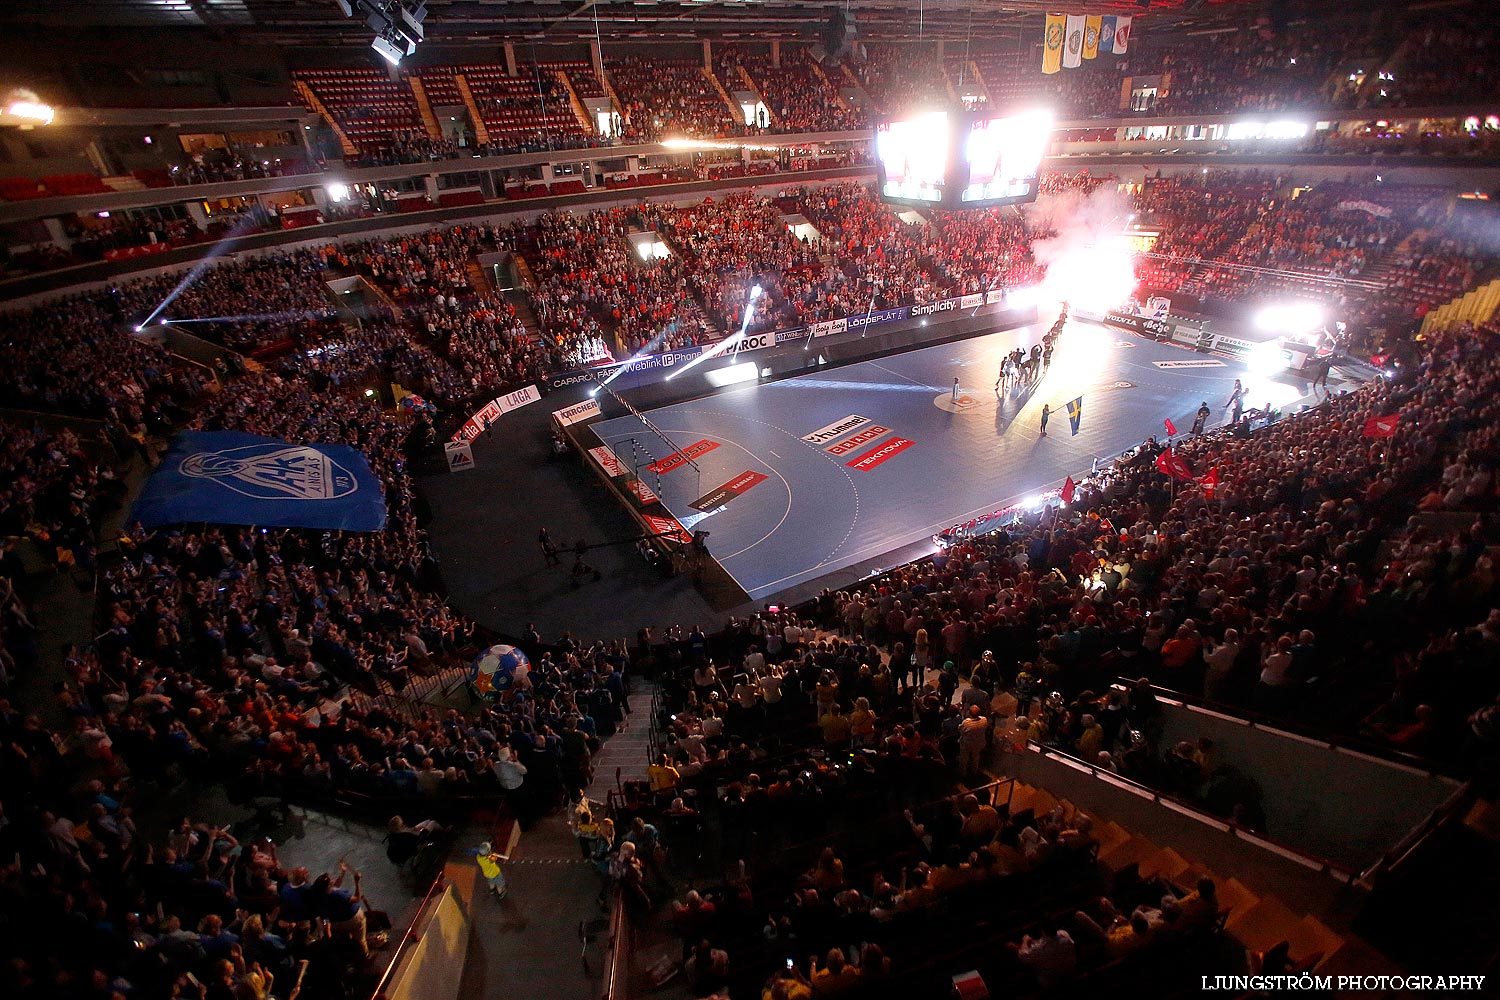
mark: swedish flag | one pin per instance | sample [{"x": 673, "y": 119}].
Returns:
[{"x": 1075, "y": 413}]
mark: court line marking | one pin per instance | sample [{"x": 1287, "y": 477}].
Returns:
[
  {"x": 908, "y": 378},
  {"x": 811, "y": 447},
  {"x": 876, "y": 548},
  {"x": 784, "y": 514}
]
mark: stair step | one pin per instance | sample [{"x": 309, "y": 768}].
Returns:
[
  {"x": 1190, "y": 876},
  {"x": 1357, "y": 958},
  {"x": 1133, "y": 851},
  {"x": 1110, "y": 836},
  {"x": 1484, "y": 819},
  {"x": 1166, "y": 864},
  {"x": 1264, "y": 925},
  {"x": 1234, "y": 894},
  {"x": 1311, "y": 935}
]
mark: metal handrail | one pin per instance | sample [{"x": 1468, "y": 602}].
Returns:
[
  {"x": 1258, "y": 720},
  {"x": 1403, "y": 848},
  {"x": 399, "y": 952},
  {"x": 616, "y": 981},
  {"x": 1195, "y": 812}
]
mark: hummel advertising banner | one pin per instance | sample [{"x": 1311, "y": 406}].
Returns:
[{"x": 233, "y": 478}]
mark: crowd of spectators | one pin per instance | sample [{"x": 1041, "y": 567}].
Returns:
[
  {"x": 821, "y": 752},
  {"x": 666, "y": 98},
  {"x": 220, "y": 166},
  {"x": 800, "y": 95},
  {"x": 1295, "y": 587},
  {"x": 587, "y": 276},
  {"x": 257, "y": 657},
  {"x": 1441, "y": 63},
  {"x": 1298, "y": 588},
  {"x": 1232, "y": 236},
  {"x": 1223, "y": 235},
  {"x": 899, "y": 77}
]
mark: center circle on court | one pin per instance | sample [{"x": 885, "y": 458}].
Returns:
[{"x": 965, "y": 402}]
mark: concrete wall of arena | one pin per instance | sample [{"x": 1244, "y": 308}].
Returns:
[
  {"x": 1452, "y": 173},
  {"x": 434, "y": 968},
  {"x": 1201, "y": 840},
  {"x": 1316, "y": 796}
]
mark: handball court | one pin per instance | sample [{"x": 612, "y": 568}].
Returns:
[{"x": 799, "y": 479}]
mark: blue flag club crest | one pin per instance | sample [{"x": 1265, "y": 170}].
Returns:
[{"x": 234, "y": 478}]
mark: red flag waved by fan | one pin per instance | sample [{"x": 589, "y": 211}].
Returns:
[
  {"x": 1067, "y": 490},
  {"x": 1169, "y": 463},
  {"x": 1382, "y": 427},
  {"x": 1210, "y": 482},
  {"x": 1171, "y": 427}
]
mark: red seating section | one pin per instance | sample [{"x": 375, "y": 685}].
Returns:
[
  {"x": 521, "y": 108},
  {"x": 366, "y": 103},
  {"x": 55, "y": 186}
]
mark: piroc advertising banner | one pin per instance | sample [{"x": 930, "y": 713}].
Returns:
[{"x": 233, "y": 478}]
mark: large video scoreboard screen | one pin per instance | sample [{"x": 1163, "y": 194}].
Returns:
[
  {"x": 912, "y": 157},
  {"x": 961, "y": 160}
]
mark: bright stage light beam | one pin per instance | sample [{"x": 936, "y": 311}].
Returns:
[
  {"x": 220, "y": 248},
  {"x": 724, "y": 345},
  {"x": 1291, "y": 317},
  {"x": 638, "y": 355},
  {"x": 1266, "y": 359},
  {"x": 1094, "y": 278},
  {"x": 290, "y": 314}
]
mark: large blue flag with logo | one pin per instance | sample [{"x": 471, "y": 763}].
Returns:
[{"x": 231, "y": 478}]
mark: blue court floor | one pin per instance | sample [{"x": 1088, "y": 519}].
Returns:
[{"x": 896, "y": 460}]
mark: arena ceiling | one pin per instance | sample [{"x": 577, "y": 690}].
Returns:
[{"x": 319, "y": 22}]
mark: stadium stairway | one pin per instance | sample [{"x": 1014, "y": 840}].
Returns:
[
  {"x": 575, "y": 102},
  {"x": 481, "y": 134},
  {"x": 312, "y": 101},
  {"x": 520, "y": 298},
  {"x": 424, "y": 108},
  {"x": 1478, "y": 305},
  {"x": 735, "y": 114},
  {"x": 746, "y": 81},
  {"x": 1256, "y": 919},
  {"x": 837, "y": 88},
  {"x": 478, "y": 279},
  {"x": 615, "y": 104},
  {"x": 123, "y": 182},
  {"x": 850, "y": 85}
]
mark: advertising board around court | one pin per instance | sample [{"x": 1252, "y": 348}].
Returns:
[
  {"x": 1146, "y": 326},
  {"x": 721, "y": 495},
  {"x": 650, "y": 367},
  {"x": 494, "y": 409},
  {"x": 577, "y": 413},
  {"x": 835, "y": 430},
  {"x": 460, "y": 456}
]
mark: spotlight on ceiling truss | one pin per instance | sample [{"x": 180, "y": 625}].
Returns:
[{"x": 397, "y": 24}]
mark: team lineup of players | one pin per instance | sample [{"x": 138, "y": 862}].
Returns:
[{"x": 1020, "y": 367}]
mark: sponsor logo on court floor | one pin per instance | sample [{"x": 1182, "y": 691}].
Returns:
[
  {"x": 835, "y": 430},
  {"x": 739, "y": 485},
  {"x": 865, "y": 436},
  {"x": 880, "y": 454},
  {"x": 1193, "y": 363},
  {"x": 680, "y": 458}
]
